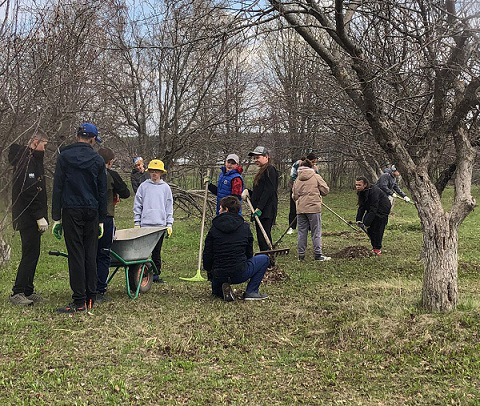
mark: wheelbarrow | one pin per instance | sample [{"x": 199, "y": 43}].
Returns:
[{"x": 130, "y": 251}]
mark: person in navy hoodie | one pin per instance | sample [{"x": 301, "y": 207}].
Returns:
[
  {"x": 230, "y": 181},
  {"x": 79, "y": 207}
]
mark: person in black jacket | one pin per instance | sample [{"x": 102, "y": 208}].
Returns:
[
  {"x": 138, "y": 174},
  {"x": 29, "y": 212},
  {"x": 264, "y": 195},
  {"x": 116, "y": 190},
  {"x": 373, "y": 210},
  {"x": 79, "y": 207},
  {"x": 228, "y": 254}
]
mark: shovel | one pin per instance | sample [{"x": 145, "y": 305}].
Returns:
[
  {"x": 271, "y": 251},
  {"x": 349, "y": 223},
  {"x": 198, "y": 276}
]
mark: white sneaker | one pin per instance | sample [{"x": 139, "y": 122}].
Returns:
[
  {"x": 290, "y": 231},
  {"x": 322, "y": 258}
]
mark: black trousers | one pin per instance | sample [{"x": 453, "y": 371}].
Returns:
[
  {"x": 28, "y": 264},
  {"x": 376, "y": 230},
  {"x": 292, "y": 215},
  {"x": 157, "y": 252},
  {"x": 267, "y": 225},
  {"x": 80, "y": 227}
]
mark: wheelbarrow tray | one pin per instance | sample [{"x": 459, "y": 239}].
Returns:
[{"x": 135, "y": 244}]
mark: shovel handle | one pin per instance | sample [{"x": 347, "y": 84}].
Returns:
[{"x": 249, "y": 203}]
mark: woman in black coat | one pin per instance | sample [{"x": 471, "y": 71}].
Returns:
[{"x": 264, "y": 195}]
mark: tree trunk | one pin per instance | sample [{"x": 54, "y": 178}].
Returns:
[{"x": 440, "y": 243}]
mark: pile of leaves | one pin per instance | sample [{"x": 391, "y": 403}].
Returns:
[{"x": 274, "y": 274}]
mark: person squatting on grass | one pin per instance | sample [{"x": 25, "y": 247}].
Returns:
[
  {"x": 307, "y": 192},
  {"x": 79, "y": 207},
  {"x": 138, "y": 174},
  {"x": 153, "y": 207},
  {"x": 228, "y": 254},
  {"x": 230, "y": 181},
  {"x": 264, "y": 195},
  {"x": 292, "y": 214},
  {"x": 116, "y": 189},
  {"x": 29, "y": 212},
  {"x": 373, "y": 210}
]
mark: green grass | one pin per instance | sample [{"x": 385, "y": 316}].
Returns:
[{"x": 349, "y": 331}]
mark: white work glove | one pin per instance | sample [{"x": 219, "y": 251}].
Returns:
[
  {"x": 42, "y": 225},
  {"x": 395, "y": 195},
  {"x": 137, "y": 225},
  {"x": 245, "y": 194},
  {"x": 407, "y": 199}
]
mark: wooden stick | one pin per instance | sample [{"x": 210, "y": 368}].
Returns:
[
  {"x": 204, "y": 211},
  {"x": 259, "y": 223}
]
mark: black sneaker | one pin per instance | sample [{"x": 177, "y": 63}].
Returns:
[
  {"x": 102, "y": 298},
  {"x": 322, "y": 258},
  {"x": 157, "y": 279},
  {"x": 301, "y": 257},
  {"x": 254, "y": 296},
  {"x": 227, "y": 292},
  {"x": 73, "y": 308}
]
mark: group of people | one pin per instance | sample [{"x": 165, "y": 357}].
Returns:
[{"x": 86, "y": 190}]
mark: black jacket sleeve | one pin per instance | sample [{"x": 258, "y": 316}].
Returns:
[
  {"x": 208, "y": 253},
  {"x": 102, "y": 192},
  {"x": 212, "y": 188},
  {"x": 372, "y": 210},
  {"x": 58, "y": 185},
  {"x": 119, "y": 186},
  {"x": 249, "y": 247}
]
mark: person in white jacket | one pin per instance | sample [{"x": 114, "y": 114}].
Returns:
[{"x": 153, "y": 207}]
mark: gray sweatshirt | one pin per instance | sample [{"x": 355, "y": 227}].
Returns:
[{"x": 153, "y": 205}]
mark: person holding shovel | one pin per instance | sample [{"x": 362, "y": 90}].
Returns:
[
  {"x": 29, "y": 212},
  {"x": 228, "y": 254},
  {"x": 230, "y": 181},
  {"x": 153, "y": 207},
  {"x": 116, "y": 189},
  {"x": 307, "y": 192},
  {"x": 373, "y": 210},
  {"x": 387, "y": 182},
  {"x": 264, "y": 196},
  {"x": 79, "y": 207}
]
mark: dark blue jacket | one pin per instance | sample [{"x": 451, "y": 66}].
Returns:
[
  {"x": 228, "y": 245},
  {"x": 80, "y": 181},
  {"x": 224, "y": 187}
]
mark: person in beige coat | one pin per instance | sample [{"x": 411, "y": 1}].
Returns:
[{"x": 307, "y": 192}]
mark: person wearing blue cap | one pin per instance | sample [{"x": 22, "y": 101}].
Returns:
[{"x": 79, "y": 207}]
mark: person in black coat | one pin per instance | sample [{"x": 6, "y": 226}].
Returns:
[
  {"x": 138, "y": 174},
  {"x": 29, "y": 212},
  {"x": 79, "y": 208},
  {"x": 228, "y": 254},
  {"x": 373, "y": 210},
  {"x": 264, "y": 195}
]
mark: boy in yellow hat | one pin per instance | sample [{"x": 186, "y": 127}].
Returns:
[{"x": 153, "y": 207}]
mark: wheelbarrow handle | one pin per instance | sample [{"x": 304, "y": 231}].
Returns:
[{"x": 58, "y": 254}]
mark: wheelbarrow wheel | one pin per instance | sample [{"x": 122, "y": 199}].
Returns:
[{"x": 146, "y": 282}]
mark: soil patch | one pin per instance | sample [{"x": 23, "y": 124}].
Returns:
[
  {"x": 355, "y": 251},
  {"x": 274, "y": 274}
]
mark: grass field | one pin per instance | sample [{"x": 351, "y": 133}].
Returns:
[{"x": 349, "y": 331}]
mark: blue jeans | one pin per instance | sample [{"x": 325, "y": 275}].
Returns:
[
  {"x": 103, "y": 256},
  {"x": 255, "y": 268}
]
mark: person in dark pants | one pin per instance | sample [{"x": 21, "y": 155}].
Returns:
[
  {"x": 292, "y": 214},
  {"x": 29, "y": 212},
  {"x": 116, "y": 190},
  {"x": 79, "y": 208},
  {"x": 373, "y": 210},
  {"x": 264, "y": 195},
  {"x": 228, "y": 254}
]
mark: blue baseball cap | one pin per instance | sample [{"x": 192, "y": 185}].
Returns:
[{"x": 88, "y": 130}]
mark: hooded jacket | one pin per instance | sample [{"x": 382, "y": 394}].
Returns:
[
  {"x": 153, "y": 206},
  {"x": 80, "y": 181},
  {"x": 29, "y": 194},
  {"x": 308, "y": 190},
  {"x": 388, "y": 183},
  {"x": 228, "y": 245},
  {"x": 137, "y": 178},
  {"x": 372, "y": 202},
  {"x": 115, "y": 186}
]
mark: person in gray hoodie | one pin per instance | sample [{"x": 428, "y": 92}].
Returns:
[{"x": 153, "y": 207}]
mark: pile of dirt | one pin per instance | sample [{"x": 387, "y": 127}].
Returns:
[
  {"x": 355, "y": 251},
  {"x": 274, "y": 274}
]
